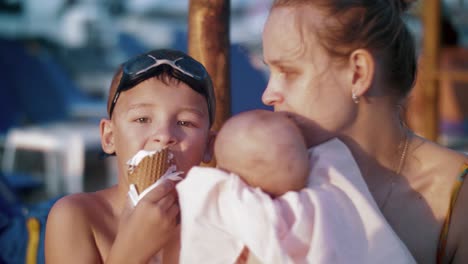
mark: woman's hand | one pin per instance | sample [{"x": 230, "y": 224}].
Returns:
[{"x": 145, "y": 229}]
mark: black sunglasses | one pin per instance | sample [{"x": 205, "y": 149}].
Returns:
[{"x": 184, "y": 68}]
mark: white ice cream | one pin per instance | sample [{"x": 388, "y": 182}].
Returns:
[
  {"x": 140, "y": 155},
  {"x": 170, "y": 174}
]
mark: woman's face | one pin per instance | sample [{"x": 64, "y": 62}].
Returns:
[{"x": 304, "y": 80}]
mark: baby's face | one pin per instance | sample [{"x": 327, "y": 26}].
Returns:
[{"x": 154, "y": 115}]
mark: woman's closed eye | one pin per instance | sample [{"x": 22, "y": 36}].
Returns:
[{"x": 288, "y": 73}]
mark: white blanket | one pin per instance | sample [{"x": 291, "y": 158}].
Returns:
[{"x": 334, "y": 220}]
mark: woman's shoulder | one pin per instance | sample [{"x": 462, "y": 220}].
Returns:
[
  {"x": 434, "y": 171},
  {"x": 444, "y": 168},
  {"x": 438, "y": 160},
  {"x": 456, "y": 229}
]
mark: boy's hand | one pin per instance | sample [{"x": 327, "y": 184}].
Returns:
[{"x": 145, "y": 229}]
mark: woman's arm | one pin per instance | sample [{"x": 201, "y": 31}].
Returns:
[{"x": 459, "y": 227}]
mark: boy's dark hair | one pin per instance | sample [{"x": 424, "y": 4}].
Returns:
[{"x": 179, "y": 67}]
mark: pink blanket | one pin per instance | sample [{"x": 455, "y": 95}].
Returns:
[{"x": 334, "y": 220}]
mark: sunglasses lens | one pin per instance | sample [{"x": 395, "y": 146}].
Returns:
[
  {"x": 193, "y": 67},
  {"x": 137, "y": 64}
]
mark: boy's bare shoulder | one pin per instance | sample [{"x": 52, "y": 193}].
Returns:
[
  {"x": 78, "y": 205},
  {"x": 74, "y": 210},
  {"x": 83, "y": 209},
  {"x": 74, "y": 222}
]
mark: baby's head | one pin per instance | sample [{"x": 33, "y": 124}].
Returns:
[{"x": 266, "y": 149}]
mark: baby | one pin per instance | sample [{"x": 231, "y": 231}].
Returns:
[
  {"x": 272, "y": 200},
  {"x": 266, "y": 149}
]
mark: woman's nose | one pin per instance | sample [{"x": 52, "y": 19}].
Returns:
[{"x": 271, "y": 96}]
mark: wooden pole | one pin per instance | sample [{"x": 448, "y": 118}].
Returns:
[
  {"x": 208, "y": 42},
  {"x": 430, "y": 59}
]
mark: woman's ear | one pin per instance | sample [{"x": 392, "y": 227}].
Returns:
[
  {"x": 363, "y": 68},
  {"x": 107, "y": 136},
  {"x": 208, "y": 155}
]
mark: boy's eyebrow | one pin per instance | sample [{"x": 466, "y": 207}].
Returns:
[
  {"x": 139, "y": 105},
  {"x": 194, "y": 110},
  {"x": 185, "y": 108}
]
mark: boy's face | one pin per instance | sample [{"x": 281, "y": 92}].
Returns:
[{"x": 153, "y": 115}]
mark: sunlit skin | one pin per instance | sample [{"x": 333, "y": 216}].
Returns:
[
  {"x": 154, "y": 115},
  {"x": 300, "y": 63},
  {"x": 306, "y": 81},
  {"x": 101, "y": 227}
]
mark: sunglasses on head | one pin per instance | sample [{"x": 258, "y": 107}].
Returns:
[{"x": 183, "y": 68}]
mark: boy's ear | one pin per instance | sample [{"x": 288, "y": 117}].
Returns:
[
  {"x": 107, "y": 136},
  {"x": 208, "y": 156},
  {"x": 362, "y": 65}
]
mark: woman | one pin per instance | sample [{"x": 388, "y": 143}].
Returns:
[{"x": 346, "y": 67}]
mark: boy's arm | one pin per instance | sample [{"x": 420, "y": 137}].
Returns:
[{"x": 69, "y": 238}]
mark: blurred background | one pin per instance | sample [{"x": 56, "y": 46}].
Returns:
[{"x": 57, "y": 58}]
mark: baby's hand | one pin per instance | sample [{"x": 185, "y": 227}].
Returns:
[
  {"x": 243, "y": 257},
  {"x": 146, "y": 228}
]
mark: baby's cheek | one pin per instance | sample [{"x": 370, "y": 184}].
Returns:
[{"x": 303, "y": 174}]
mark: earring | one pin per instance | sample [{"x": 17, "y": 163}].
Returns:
[{"x": 355, "y": 98}]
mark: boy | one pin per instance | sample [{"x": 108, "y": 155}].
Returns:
[
  {"x": 268, "y": 216},
  {"x": 162, "y": 98}
]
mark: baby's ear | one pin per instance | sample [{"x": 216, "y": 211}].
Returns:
[
  {"x": 107, "y": 136},
  {"x": 209, "y": 150}
]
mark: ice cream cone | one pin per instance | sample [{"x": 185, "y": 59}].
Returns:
[{"x": 149, "y": 169}]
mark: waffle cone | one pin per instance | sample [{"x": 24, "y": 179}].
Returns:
[{"x": 149, "y": 170}]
